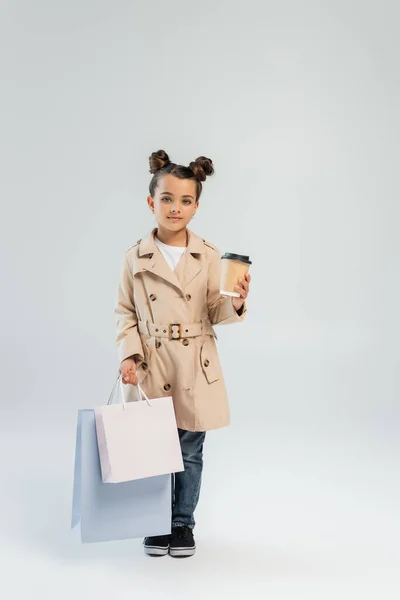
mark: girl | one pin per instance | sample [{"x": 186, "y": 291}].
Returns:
[{"x": 167, "y": 303}]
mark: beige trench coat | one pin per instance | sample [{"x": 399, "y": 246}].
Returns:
[{"x": 165, "y": 320}]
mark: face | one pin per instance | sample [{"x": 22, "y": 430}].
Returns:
[{"x": 174, "y": 198}]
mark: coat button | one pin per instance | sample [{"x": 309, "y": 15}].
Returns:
[
  {"x": 206, "y": 362},
  {"x": 185, "y": 342},
  {"x": 144, "y": 365},
  {"x": 153, "y": 297},
  {"x": 167, "y": 387},
  {"x": 188, "y": 297},
  {"x": 158, "y": 344}
]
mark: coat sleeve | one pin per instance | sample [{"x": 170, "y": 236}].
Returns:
[
  {"x": 220, "y": 308},
  {"x": 128, "y": 339}
]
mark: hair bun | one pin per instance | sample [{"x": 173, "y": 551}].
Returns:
[
  {"x": 158, "y": 160},
  {"x": 202, "y": 167}
]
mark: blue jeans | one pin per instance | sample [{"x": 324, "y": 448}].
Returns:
[{"x": 186, "y": 485}]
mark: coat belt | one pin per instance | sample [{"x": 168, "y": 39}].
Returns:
[{"x": 176, "y": 331}]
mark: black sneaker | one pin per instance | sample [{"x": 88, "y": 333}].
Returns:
[
  {"x": 157, "y": 545},
  {"x": 182, "y": 542}
]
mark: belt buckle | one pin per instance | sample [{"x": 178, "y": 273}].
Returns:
[{"x": 172, "y": 334}]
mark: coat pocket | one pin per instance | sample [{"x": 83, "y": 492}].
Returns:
[{"x": 209, "y": 361}]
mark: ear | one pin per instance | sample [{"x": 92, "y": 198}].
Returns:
[{"x": 150, "y": 202}]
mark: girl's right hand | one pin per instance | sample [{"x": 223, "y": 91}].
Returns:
[{"x": 128, "y": 371}]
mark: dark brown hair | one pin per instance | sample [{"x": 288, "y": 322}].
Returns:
[{"x": 198, "y": 170}]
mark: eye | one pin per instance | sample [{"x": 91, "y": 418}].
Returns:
[
  {"x": 188, "y": 201},
  {"x": 165, "y": 198}
]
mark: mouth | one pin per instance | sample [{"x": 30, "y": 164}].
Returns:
[{"x": 175, "y": 218}]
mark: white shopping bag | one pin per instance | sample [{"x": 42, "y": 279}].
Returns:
[{"x": 138, "y": 439}]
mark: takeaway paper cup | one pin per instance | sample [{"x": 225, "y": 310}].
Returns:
[{"x": 233, "y": 267}]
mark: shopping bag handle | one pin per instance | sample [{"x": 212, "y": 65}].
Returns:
[{"x": 141, "y": 393}]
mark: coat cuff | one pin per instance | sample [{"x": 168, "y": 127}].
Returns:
[
  {"x": 131, "y": 347},
  {"x": 225, "y": 313}
]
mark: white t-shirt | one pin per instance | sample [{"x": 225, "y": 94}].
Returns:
[{"x": 172, "y": 254}]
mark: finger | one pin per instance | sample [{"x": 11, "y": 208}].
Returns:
[
  {"x": 242, "y": 291},
  {"x": 244, "y": 282}
]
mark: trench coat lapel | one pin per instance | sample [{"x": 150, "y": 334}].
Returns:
[
  {"x": 151, "y": 259},
  {"x": 190, "y": 264}
]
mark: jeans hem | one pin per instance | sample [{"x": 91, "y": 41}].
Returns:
[{"x": 190, "y": 525}]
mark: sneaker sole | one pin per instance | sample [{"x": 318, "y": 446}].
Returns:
[
  {"x": 155, "y": 550},
  {"x": 182, "y": 552}
]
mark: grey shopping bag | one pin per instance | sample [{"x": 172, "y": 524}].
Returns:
[{"x": 105, "y": 512}]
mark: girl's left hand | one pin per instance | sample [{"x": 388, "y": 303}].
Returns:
[{"x": 243, "y": 289}]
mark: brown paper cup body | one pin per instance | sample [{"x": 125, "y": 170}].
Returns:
[{"x": 231, "y": 272}]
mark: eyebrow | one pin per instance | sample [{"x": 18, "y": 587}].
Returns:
[{"x": 170, "y": 194}]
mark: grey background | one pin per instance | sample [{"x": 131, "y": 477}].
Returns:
[{"x": 297, "y": 105}]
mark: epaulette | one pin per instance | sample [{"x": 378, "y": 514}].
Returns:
[
  {"x": 133, "y": 245},
  {"x": 210, "y": 245}
]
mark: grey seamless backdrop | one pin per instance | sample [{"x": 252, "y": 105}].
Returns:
[{"x": 297, "y": 105}]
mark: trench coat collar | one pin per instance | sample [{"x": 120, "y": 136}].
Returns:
[{"x": 188, "y": 267}]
